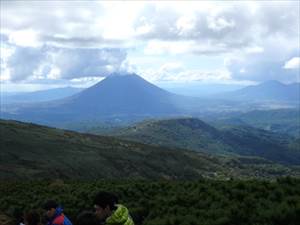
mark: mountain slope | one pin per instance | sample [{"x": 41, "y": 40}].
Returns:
[
  {"x": 267, "y": 91},
  {"x": 39, "y": 96},
  {"x": 193, "y": 134},
  {"x": 127, "y": 94},
  {"x": 29, "y": 151}
]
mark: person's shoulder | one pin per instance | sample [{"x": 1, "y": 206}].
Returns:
[
  {"x": 67, "y": 221},
  {"x": 58, "y": 220}
]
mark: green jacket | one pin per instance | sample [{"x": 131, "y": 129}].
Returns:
[{"x": 120, "y": 217}]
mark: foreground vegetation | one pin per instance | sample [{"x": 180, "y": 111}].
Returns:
[{"x": 201, "y": 202}]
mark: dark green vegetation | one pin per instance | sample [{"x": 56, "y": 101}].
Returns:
[
  {"x": 30, "y": 151},
  {"x": 202, "y": 202},
  {"x": 193, "y": 134}
]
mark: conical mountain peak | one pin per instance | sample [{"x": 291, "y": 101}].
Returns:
[{"x": 123, "y": 94}]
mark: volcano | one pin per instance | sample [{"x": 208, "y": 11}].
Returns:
[
  {"x": 127, "y": 94},
  {"x": 115, "y": 96}
]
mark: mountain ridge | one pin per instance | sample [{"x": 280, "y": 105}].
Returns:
[
  {"x": 267, "y": 91},
  {"x": 194, "y": 134}
]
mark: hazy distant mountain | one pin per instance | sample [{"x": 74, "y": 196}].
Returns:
[
  {"x": 197, "y": 88},
  {"x": 285, "y": 121},
  {"x": 29, "y": 151},
  {"x": 267, "y": 91},
  {"x": 38, "y": 96},
  {"x": 121, "y": 98},
  {"x": 194, "y": 134}
]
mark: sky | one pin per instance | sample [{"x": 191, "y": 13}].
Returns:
[{"x": 47, "y": 44}]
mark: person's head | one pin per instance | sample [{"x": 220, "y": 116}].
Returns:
[
  {"x": 50, "y": 207},
  {"x": 104, "y": 204},
  {"x": 32, "y": 218},
  {"x": 86, "y": 218}
]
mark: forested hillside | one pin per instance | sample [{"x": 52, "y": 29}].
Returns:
[
  {"x": 194, "y": 134},
  {"x": 201, "y": 202},
  {"x": 30, "y": 151}
]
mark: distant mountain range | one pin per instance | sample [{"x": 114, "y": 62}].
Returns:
[
  {"x": 30, "y": 151},
  {"x": 267, "y": 91},
  {"x": 130, "y": 98},
  {"x": 284, "y": 121},
  {"x": 194, "y": 134},
  {"x": 198, "y": 88},
  {"x": 38, "y": 96}
]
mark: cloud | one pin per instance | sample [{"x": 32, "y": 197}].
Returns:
[
  {"x": 55, "y": 23},
  {"x": 177, "y": 72},
  {"x": 262, "y": 67},
  {"x": 76, "y": 63},
  {"x": 293, "y": 63},
  {"x": 50, "y": 62},
  {"x": 232, "y": 25},
  {"x": 225, "y": 27},
  {"x": 24, "y": 61},
  {"x": 59, "y": 40}
]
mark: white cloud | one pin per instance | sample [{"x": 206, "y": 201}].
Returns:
[
  {"x": 96, "y": 24},
  {"x": 254, "y": 49},
  {"x": 76, "y": 63},
  {"x": 62, "y": 63},
  {"x": 185, "y": 24},
  {"x": 177, "y": 72},
  {"x": 24, "y": 38},
  {"x": 85, "y": 81},
  {"x": 218, "y": 24},
  {"x": 263, "y": 34},
  {"x": 24, "y": 62},
  {"x": 293, "y": 63},
  {"x": 157, "y": 47},
  {"x": 235, "y": 26}
]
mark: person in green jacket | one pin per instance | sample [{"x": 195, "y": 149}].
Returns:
[{"x": 109, "y": 212}]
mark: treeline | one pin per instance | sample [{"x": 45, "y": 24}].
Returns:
[{"x": 202, "y": 202}]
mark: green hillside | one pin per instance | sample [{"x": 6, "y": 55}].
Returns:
[
  {"x": 193, "y": 134},
  {"x": 30, "y": 151}
]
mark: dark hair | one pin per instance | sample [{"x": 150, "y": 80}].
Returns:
[
  {"x": 104, "y": 199},
  {"x": 86, "y": 218},
  {"x": 50, "y": 204},
  {"x": 32, "y": 218}
]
